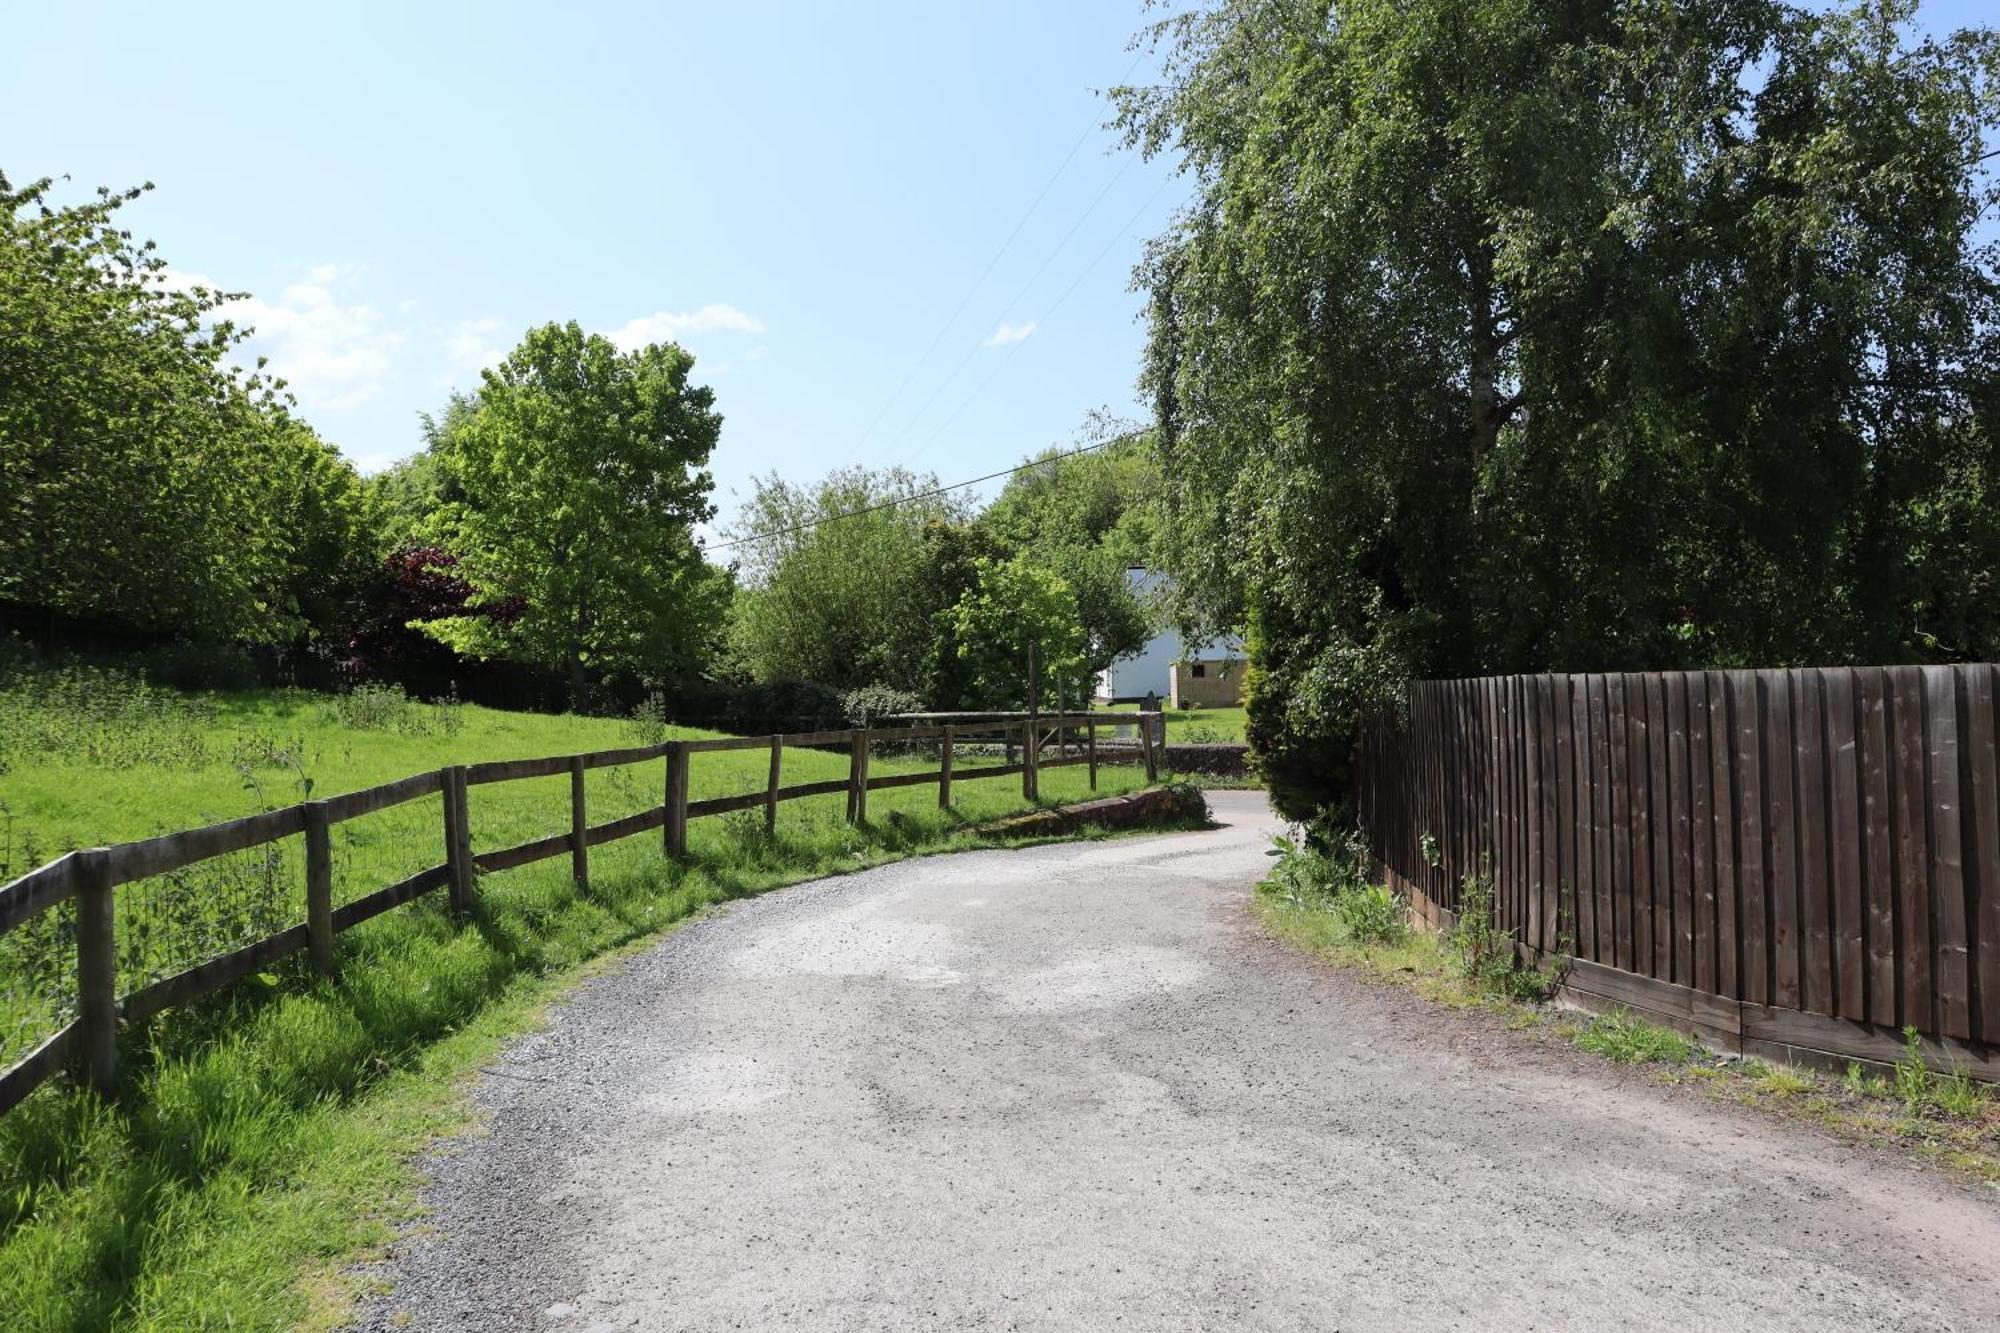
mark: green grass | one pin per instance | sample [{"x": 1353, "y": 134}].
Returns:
[
  {"x": 1197, "y": 724},
  {"x": 262, "y": 1140},
  {"x": 1620, "y": 1036},
  {"x": 1944, "y": 1119}
]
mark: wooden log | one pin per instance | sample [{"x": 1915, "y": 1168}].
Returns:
[
  {"x": 634, "y": 754},
  {"x": 458, "y": 842},
  {"x": 157, "y": 856},
  {"x": 349, "y": 915},
  {"x": 802, "y": 790},
  {"x": 944, "y": 768},
  {"x": 725, "y": 805},
  {"x": 319, "y": 887},
  {"x": 924, "y": 779},
  {"x": 579, "y": 824},
  {"x": 97, "y": 971},
  {"x": 677, "y": 799},
  {"x": 638, "y": 822},
  {"x": 371, "y": 800},
  {"x": 38, "y": 890},
  {"x": 514, "y": 770},
  {"x": 992, "y": 771},
  {"x": 771, "y": 786},
  {"x": 38, "y": 1066},
  {"x": 522, "y": 853},
  {"x": 214, "y": 974}
]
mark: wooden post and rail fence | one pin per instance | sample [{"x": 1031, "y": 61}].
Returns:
[
  {"x": 1798, "y": 863},
  {"x": 91, "y": 876}
]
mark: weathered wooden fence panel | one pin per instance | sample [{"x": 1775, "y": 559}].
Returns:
[{"x": 1821, "y": 842}]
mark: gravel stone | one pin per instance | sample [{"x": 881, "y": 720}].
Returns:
[{"x": 1076, "y": 1087}]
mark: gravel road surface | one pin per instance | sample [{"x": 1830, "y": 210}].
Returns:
[{"x": 1075, "y": 1087}]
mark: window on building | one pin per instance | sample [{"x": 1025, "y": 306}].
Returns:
[{"x": 1200, "y": 670}]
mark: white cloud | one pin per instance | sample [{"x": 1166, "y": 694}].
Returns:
[
  {"x": 472, "y": 347},
  {"x": 1010, "y": 333},
  {"x": 669, "y": 326},
  {"x": 331, "y": 354}
]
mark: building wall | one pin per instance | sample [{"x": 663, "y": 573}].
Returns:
[
  {"x": 1220, "y": 684},
  {"x": 1151, "y": 669}
]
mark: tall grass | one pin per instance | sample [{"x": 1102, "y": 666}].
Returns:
[{"x": 260, "y": 1139}]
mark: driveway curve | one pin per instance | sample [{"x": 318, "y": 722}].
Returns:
[{"x": 1075, "y": 1087}]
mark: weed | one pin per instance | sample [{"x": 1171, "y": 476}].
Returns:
[{"x": 1620, "y": 1036}]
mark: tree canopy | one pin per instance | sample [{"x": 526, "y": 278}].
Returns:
[
  {"x": 1577, "y": 335},
  {"x": 579, "y": 474},
  {"x": 144, "y": 480}
]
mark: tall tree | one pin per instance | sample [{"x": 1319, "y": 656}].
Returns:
[
  {"x": 144, "y": 479},
  {"x": 580, "y": 474},
  {"x": 1571, "y": 334},
  {"x": 838, "y": 581}
]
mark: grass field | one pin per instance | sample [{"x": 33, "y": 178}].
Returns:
[
  {"x": 1191, "y": 725},
  {"x": 260, "y": 1141}
]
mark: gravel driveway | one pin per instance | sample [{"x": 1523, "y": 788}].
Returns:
[{"x": 1074, "y": 1087}]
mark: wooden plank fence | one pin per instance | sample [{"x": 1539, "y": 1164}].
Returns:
[
  {"x": 91, "y": 877},
  {"x": 1796, "y": 862}
]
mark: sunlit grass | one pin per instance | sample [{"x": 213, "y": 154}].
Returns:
[{"x": 263, "y": 1138}]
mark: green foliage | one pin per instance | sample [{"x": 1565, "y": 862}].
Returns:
[
  {"x": 1921, "y": 1091},
  {"x": 1620, "y": 1036},
  {"x": 579, "y": 476},
  {"x": 1017, "y": 602},
  {"x": 865, "y": 707},
  {"x": 143, "y": 479},
  {"x": 1336, "y": 883},
  {"x": 1485, "y": 954},
  {"x": 1477, "y": 301},
  {"x": 851, "y": 602}
]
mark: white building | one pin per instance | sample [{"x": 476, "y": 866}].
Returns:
[{"x": 1151, "y": 670}]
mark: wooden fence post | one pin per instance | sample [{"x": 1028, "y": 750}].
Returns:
[
  {"x": 1031, "y": 746},
  {"x": 319, "y": 888},
  {"x": 677, "y": 799},
  {"x": 944, "y": 768},
  {"x": 579, "y": 824},
  {"x": 857, "y": 779},
  {"x": 97, "y": 971},
  {"x": 1151, "y": 750},
  {"x": 1090, "y": 747},
  {"x": 458, "y": 839},
  {"x": 771, "y": 791}
]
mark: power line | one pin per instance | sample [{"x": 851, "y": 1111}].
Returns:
[
  {"x": 987, "y": 272},
  {"x": 974, "y": 350},
  {"x": 1056, "y": 305},
  {"x": 906, "y": 499}
]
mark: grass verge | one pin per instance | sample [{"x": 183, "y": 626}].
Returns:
[
  {"x": 1320, "y": 906},
  {"x": 263, "y": 1140}
]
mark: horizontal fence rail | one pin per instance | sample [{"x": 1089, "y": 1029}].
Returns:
[
  {"x": 90, "y": 878},
  {"x": 1792, "y": 861}
]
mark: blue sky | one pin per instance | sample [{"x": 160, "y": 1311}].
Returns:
[{"x": 801, "y": 194}]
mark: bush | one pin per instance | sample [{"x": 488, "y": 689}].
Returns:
[
  {"x": 870, "y": 702},
  {"x": 1371, "y": 914}
]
